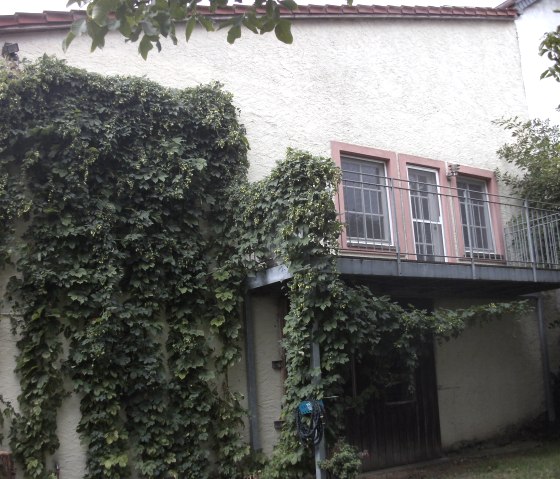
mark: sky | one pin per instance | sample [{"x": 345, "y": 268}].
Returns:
[{"x": 8, "y": 7}]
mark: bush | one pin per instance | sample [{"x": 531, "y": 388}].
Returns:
[{"x": 344, "y": 463}]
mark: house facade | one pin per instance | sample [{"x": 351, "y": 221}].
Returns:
[{"x": 403, "y": 99}]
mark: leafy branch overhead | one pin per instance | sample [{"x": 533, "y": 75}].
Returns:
[
  {"x": 535, "y": 152},
  {"x": 550, "y": 47},
  {"x": 147, "y": 21}
]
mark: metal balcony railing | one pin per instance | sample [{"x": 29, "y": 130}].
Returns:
[{"x": 421, "y": 221}]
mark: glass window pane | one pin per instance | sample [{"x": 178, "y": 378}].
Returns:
[
  {"x": 475, "y": 216},
  {"x": 365, "y": 201},
  {"x": 426, "y": 214}
]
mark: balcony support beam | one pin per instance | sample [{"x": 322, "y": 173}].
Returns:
[
  {"x": 520, "y": 280},
  {"x": 549, "y": 401},
  {"x": 274, "y": 275},
  {"x": 251, "y": 370},
  {"x": 384, "y": 267}
]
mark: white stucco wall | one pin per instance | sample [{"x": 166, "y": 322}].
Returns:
[
  {"x": 424, "y": 87},
  {"x": 270, "y": 382},
  {"x": 489, "y": 378},
  {"x": 543, "y": 96},
  {"x": 9, "y": 388},
  {"x": 71, "y": 455}
]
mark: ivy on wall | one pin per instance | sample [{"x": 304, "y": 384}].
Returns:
[
  {"x": 123, "y": 188},
  {"x": 127, "y": 210}
]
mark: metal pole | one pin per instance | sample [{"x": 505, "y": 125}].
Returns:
[
  {"x": 549, "y": 402},
  {"x": 395, "y": 224},
  {"x": 250, "y": 363},
  {"x": 468, "y": 209},
  {"x": 530, "y": 240},
  {"x": 320, "y": 449}
]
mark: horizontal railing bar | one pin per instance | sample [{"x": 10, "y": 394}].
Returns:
[
  {"x": 515, "y": 234},
  {"x": 451, "y": 192},
  {"x": 554, "y": 207}
]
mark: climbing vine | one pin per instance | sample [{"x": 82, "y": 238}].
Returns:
[
  {"x": 122, "y": 188},
  {"x": 126, "y": 210}
]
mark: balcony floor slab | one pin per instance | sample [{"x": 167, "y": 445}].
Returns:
[{"x": 418, "y": 279}]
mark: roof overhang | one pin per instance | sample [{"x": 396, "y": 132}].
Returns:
[
  {"x": 49, "y": 20},
  {"x": 519, "y": 5}
]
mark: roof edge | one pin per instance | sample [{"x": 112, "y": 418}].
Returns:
[
  {"x": 519, "y": 5},
  {"x": 56, "y": 19}
]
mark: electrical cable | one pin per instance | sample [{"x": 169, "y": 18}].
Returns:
[{"x": 310, "y": 422}]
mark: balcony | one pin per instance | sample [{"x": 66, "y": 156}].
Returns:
[
  {"x": 417, "y": 238},
  {"x": 456, "y": 239}
]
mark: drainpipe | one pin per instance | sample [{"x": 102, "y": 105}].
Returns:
[
  {"x": 320, "y": 449},
  {"x": 549, "y": 402},
  {"x": 532, "y": 255},
  {"x": 254, "y": 436}
]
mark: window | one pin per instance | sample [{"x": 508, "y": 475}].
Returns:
[
  {"x": 426, "y": 215},
  {"x": 475, "y": 216},
  {"x": 408, "y": 207},
  {"x": 365, "y": 201}
]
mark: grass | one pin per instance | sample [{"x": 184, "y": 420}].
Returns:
[
  {"x": 539, "y": 462},
  {"x": 542, "y": 462}
]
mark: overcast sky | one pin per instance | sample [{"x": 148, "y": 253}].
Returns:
[{"x": 8, "y": 7}]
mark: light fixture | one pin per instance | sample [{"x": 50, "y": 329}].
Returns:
[
  {"x": 278, "y": 365},
  {"x": 452, "y": 170},
  {"x": 9, "y": 51}
]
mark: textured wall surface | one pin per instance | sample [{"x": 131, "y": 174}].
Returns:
[
  {"x": 543, "y": 96},
  {"x": 9, "y": 384},
  {"x": 266, "y": 314},
  {"x": 424, "y": 87},
  {"x": 490, "y": 378}
]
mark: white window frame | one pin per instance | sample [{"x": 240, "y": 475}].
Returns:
[{"x": 435, "y": 171}]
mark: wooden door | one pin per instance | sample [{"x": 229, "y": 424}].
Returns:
[{"x": 401, "y": 426}]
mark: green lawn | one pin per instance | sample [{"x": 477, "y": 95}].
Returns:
[{"x": 540, "y": 462}]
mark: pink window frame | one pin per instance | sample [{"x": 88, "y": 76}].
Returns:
[
  {"x": 389, "y": 158},
  {"x": 439, "y": 166},
  {"x": 396, "y": 167},
  {"x": 489, "y": 179}
]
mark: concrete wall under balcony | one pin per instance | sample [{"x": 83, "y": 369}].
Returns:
[
  {"x": 270, "y": 382},
  {"x": 552, "y": 315},
  {"x": 489, "y": 379}
]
